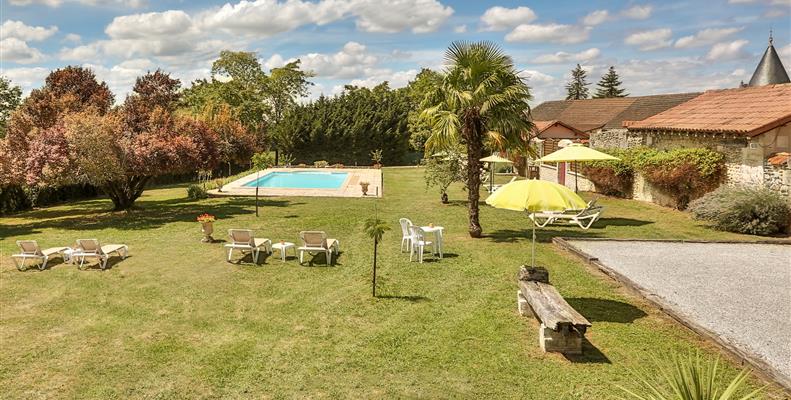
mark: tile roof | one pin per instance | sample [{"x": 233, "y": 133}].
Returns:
[
  {"x": 541, "y": 126},
  {"x": 587, "y": 115},
  {"x": 744, "y": 111}
]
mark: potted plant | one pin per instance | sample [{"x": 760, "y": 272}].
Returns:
[
  {"x": 207, "y": 227},
  {"x": 376, "y": 157},
  {"x": 364, "y": 187}
]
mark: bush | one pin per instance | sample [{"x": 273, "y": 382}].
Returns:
[
  {"x": 196, "y": 192},
  {"x": 613, "y": 178},
  {"x": 743, "y": 210},
  {"x": 321, "y": 164},
  {"x": 685, "y": 174}
]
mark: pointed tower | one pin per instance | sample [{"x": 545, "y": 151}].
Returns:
[{"x": 770, "y": 70}]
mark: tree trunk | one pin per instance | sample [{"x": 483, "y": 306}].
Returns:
[
  {"x": 373, "y": 283},
  {"x": 472, "y": 134},
  {"x": 444, "y": 198},
  {"x": 124, "y": 193},
  {"x": 257, "y": 175}
]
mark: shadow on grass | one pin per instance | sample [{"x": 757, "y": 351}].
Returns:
[
  {"x": 604, "y": 310},
  {"x": 590, "y": 355},
  {"x": 620, "y": 222},
  {"x": 320, "y": 259},
  {"x": 149, "y": 214},
  {"x": 543, "y": 235},
  {"x": 411, "y": 299}
]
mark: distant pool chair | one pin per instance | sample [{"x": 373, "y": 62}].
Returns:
[
  {"x": 243, "y": 240},
  {"x": 30, "y": 250},
  {"x": 91, "y": 248},
  {"x": 315, "y": 242}
]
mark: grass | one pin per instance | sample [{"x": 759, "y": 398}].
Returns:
[{"x": 176, "y": 321}]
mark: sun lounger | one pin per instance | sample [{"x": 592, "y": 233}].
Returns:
[
  {"x": 90, "y": 248},
  {"x": 583, "y": 218},
  {"x": 30, "y": 250},
  {"x": 314, "y": 242},
  {"x": 243, "y": 240}
]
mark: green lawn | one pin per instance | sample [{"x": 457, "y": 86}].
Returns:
[{"x": 176, "y": 321}]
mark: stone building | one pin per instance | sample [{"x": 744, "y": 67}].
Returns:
[
  {"x": 751, "y": 125},
  {"x": 599, "y": 121}
]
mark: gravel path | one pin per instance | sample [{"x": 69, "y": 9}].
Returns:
[{"x": 741, "y": 292}]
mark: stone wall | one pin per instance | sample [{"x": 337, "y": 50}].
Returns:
[
  {"x": 778, "y": 178},
  {"x": 616, "y": 139}
]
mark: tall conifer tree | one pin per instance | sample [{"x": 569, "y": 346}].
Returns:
[
  {"x": 577, "y": 89},
  {"x": 610, "y": 86}
]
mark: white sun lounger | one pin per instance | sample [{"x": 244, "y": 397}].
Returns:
[
  {"x": 90, "y": 248},
  {"x": 495, "y": 187},
  {"x": 243, "y": 240},
  {"x": 30, "y": 250},
  {"x": 583, "y": 218},
  {"x": 314, "y": 242}
]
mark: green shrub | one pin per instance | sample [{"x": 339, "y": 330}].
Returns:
[
  {"x": 196, "y": 192},
  {"x": 684, "y": 174},
  {"x": 321, "y": 164},
  {"x": 690, "y": 377},
  {"x": 613, "y": 178},
  {"x": 743, "y": 210}
]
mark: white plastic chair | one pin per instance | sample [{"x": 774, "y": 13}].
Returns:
[
  {"x": 406, "y": 234},
  {"x": 91, "y": 248},
  {"x": 419, "y": 243},
  {"x": 243, "y": 240},
  {"x": 29, "y": 249}
]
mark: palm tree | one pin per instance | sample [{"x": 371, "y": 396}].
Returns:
[
  {"x": 481, "y": 99},
  {"x": 375, "y": 228}
]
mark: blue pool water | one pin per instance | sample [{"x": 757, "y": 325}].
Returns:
[{"x": 300, "y": 180}]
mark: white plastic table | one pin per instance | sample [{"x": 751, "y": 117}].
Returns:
[
  {"x": 283, "y": 247},
  {"x": 437, "y": 231}
]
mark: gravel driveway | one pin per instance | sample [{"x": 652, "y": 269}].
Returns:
[{"x": 739, "y": 292}]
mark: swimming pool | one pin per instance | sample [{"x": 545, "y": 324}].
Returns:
[{"x": 300, "y": 180}]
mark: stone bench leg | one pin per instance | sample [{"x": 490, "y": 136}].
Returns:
[
  {"x": 521, "y": 304},
  {"x": 566, "y": 340}
]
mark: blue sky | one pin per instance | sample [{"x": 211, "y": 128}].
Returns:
[{"x": 657, "y": 46}]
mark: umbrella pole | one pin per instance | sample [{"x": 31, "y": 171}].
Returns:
[
  {"x": 533, "y": 253},
  {"x": 576, "y": 177},
  {"x": 491, "y": 177}
]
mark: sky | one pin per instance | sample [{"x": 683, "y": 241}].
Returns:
[{"x": 656, "y": 46}]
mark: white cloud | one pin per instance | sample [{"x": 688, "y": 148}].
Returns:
[
  {"x": 536, "y": 77},
  {"x": 785, "y": 52},
  {"x": 269, "y": 17},
  {"x": 72, "y": 38},
  {"x": 501, "y": 18},
  {"x": 150, "y": 25},
  {"x": 421, "y": 16},
  {"x": 596, "y": 17},
  {"x": 19, "y": 30},
  {"x": 650, "y": 40},
  {"x": 17, "y": 51},
  {"x": 672, "y": 75},
  {"x": 57, "y": 3},
  {"x": 80, "y": 53},
  {"x": 460, "y": 29},
  {"x": 26, "y": 77},
  {"x": 705, "y": 37},
  {"x": 728, "y": 51},
  {"x": 395, "y": 79},
  {"x": 553, "y": 33},
  {"x": 562, "y": 57},
  {"x": 638, "y": 12},
  {"x": 351, "y": 62}
]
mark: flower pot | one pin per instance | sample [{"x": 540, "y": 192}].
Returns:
[
  {"x": 364, "y": 188},
  {"x": 207, "y": 228}
]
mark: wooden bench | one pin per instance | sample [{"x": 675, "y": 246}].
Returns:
[{"x": 562, "y": 328}]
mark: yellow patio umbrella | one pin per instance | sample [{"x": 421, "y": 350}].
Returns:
[
  {"x": 576, "y": 152},
  {"x": 535, "y": 196},
  {"x": 494, "y": 158}
]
